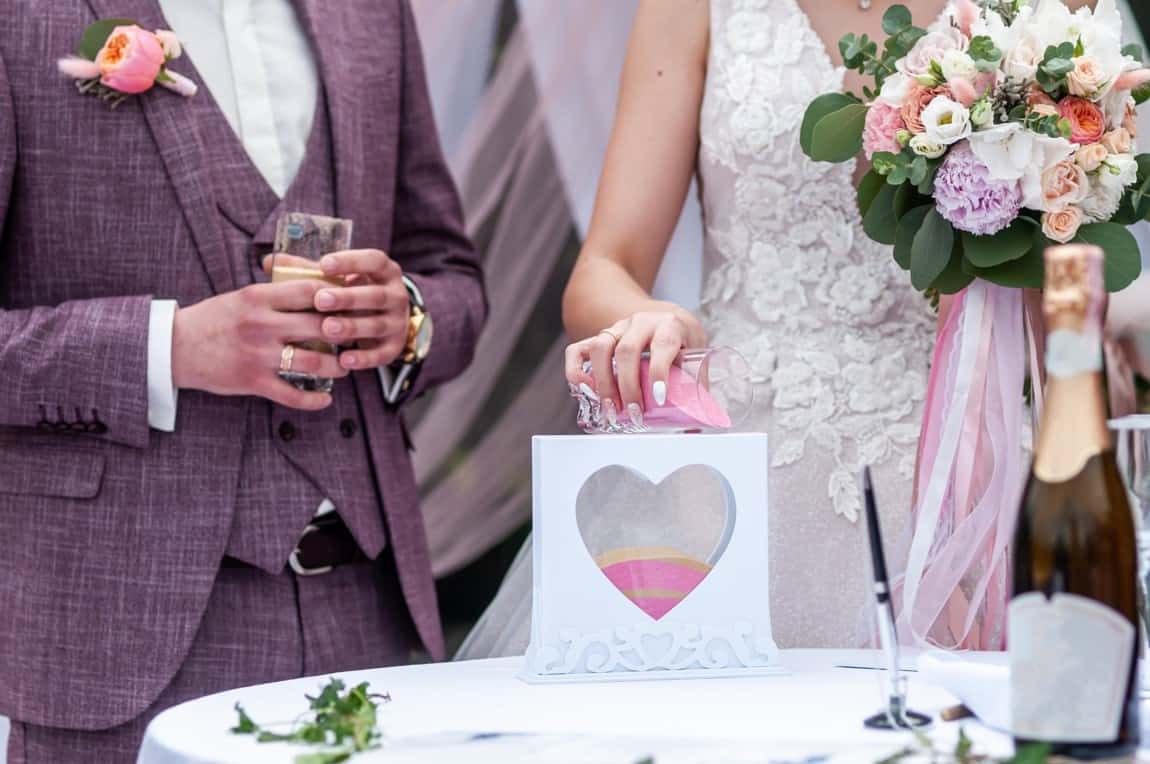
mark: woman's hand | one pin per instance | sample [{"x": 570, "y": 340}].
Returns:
[{"x": 616, "y": 352}]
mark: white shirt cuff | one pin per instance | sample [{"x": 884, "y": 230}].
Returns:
[{"x": 162, "y": 393}]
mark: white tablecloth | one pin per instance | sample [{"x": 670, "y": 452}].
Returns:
[{"x": 436, "y": 711}]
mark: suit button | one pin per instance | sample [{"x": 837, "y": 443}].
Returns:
[
  {"x": 348, "y": 428},
  {"x": 287, "y": 432}
]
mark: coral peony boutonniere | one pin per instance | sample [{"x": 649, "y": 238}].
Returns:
[{"x": 117, "y": 58}]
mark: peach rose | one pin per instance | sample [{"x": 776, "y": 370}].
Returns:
[
  {"x": 1087, "y": 122},
  {"x": 916, "y": 102},
  {"x": 130, "y": 60},
  {"x": 1118, "y": 141},
  {"x": 1088, "y": 77},
  {"x": 1064, "y": 184},
  {"x": 1130, "y": 121},
  {"x": 1091, "y": 156},
  {"x": 1062, "y": 225}
]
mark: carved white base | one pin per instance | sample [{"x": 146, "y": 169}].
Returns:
[{"x": 664, "y": 649}]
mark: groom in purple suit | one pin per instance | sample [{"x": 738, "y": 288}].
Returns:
[{"x": 175, "y": 519}]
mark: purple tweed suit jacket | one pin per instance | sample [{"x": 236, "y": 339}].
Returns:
[{"x": 110, "y": 533}]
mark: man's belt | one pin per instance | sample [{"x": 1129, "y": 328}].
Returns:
[{"x": 326, "y": 544}]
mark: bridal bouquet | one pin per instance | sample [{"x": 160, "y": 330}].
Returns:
[{"x": 1005, "y": 127}]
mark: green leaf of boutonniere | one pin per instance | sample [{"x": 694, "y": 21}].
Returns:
[{"x": 97, "y": 34}]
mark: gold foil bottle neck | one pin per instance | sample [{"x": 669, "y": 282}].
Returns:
[{"x": 1074, "y": 293}]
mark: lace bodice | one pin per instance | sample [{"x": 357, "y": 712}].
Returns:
[{"x": 835, "y": 333}]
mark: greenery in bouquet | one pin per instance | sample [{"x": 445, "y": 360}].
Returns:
[{"x": 1006, "y": 127}]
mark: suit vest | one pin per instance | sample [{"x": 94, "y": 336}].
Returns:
[{"x": 292, "y": 460}]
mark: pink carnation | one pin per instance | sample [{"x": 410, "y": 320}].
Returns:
[{"x": 883, "y": 123}]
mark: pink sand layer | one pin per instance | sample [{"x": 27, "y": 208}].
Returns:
[{"x": 689, "y": 405}]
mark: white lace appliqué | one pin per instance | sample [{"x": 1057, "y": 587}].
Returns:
[{"x": 833, "y": 328}]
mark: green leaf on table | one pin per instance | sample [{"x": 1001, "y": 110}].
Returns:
[
  {"x": 245, "y": 726},
  {"x": 97, "y": 34},
  {"x": 869, "y": 187},
  {"x": 896, "y": 19},
  {"x": 880, "y": 222},
  {"x": 898, "y": 756},
  {"x": 908, "y": 226},
  {"x": 819, "y": 108},
  {"x": 1123, "y": 259},
  {"x": 323, "y": 757},
  {"x": 930, "y": 252},
  {"x": 838, "y": 136},
  {"x": 1035, "y": 753},
  {"x": 963, "y": 747},
  {"x": 1004, "y": 246}
]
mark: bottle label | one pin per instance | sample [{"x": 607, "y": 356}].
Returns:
[{"x": 1069, "y": 668}]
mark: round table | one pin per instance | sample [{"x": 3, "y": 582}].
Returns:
[{"x": 479, "y": 711}]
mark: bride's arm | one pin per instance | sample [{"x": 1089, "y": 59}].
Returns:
[{"x": 648, "y": 170}]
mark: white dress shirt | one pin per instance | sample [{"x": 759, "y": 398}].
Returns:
[{"x": 256, "y": 60}]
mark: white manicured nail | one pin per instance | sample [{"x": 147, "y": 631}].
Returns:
[{"x": 659, "y": 390}]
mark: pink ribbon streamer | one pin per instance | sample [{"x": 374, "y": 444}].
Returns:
[{"x": 954, "y": 589}]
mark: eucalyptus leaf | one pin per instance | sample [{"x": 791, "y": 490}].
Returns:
[
  {"x": 896, "y": 19},
  {"x": 1135, "y": 52},
  {"x": 908, "y": 226},
  {"x": 931, "y": 250},
  {"x": 1123, "y": 259},
  {"x": 838, "y": 136},
  {"x": 868, "y": 189},
  {"x": 819, "y": 108},
  {"x": 1002, "y": 247},
  {"x": 97, "y": 34},
  {"x": 880, "y": 222},
  {"x": 954, "y": 277},
  {"x": 1026, "y": 272}
]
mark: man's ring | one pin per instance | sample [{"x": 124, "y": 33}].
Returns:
[
  {"x": 287, "y": 355},
  {"x": 612, "y": 334}
]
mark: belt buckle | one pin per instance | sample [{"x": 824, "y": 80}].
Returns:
[{"x": 293, "y": 559}]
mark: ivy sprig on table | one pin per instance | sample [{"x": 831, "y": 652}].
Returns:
[{"x": 345, "y": 723}]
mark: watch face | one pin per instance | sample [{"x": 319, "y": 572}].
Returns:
[{"x": 422, "y": 344}]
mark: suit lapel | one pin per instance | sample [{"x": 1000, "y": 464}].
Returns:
[
  {"x": 175, "y": 123},
  {"x": 340, "y": 32}
]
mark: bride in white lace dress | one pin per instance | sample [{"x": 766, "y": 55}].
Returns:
[{"x": 838, "y": 338}]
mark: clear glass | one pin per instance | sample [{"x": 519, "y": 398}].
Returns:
[
  {"x": 708, "y": 390},
  {"x": 301, "y": 240},
  {"x": 1132, "y": 442}
]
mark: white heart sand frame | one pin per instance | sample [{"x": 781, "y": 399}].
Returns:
[{"x": 650, "y": 558}]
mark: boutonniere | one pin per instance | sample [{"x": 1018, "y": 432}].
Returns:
[{"x": 117, "y": 58}]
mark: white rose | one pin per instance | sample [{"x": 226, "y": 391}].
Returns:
[
  {"x": 946, "y": 121},
  {"x": 922, "y": 145},
  {"x": 895, "y": 89},
  {"x": 1118, "y": 171},
  {"x": 1102, "y": 203},
  {"x": 957, "y": 65},
  {"x": 1021, "y": 61}
]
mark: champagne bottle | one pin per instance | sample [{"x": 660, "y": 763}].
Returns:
[{"x": 1073, "y": 620}]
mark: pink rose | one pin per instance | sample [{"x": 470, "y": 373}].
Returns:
[
  {"x": 931, "y": 47},
  {"x": 1062, "y": 225},
  {"x": 130, "y": 60},
  {"x": 1064, "y": 184},
  {"x": 1087, "y": 122},
  {"x": 883, "y": 123},
  {"x": 916, "y": 102}
]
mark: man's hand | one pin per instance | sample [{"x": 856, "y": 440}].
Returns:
[
  {"x": 371, "y": 314},
  {"x": 232, "y": 344}
]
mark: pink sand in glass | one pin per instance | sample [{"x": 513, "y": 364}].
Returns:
[{"x": 689, "y": 406}]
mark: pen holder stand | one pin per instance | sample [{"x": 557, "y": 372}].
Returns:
[{"x": 650, "y": 558}]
